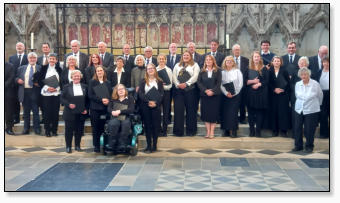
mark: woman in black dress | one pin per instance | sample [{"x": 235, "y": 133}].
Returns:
[
  {"x": 257, "y": 93},
  {"x": 98, "y": 104},
  {"x": 95, "y": 61},
  {"x": 209, "y": 82},
  {"x": 279, "y": 95},
  {"x": 150, "y": 106},
  {"x": 325, "y": 110},
  {"x": 120, "y": 107},
  {"x": 71, "y": 65},
  {"x": 231, "y": 99},
  {"x": 119, "y": 75},
  {"x": 74, "y": 99}
]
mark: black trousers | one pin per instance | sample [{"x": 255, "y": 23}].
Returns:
[
  {"x": 309, "y": 123},
  {"x": 119, "y": 132},
  {"x": 324, "y": 115},
  {"x": 74, "y": 128},
  {"x": 98, "y": 119},
  {"x": 243, "y": 95},
  {"x": 185, "y": 100},
  {"x": 9, "y": 111},
  {"x": 152, "y": 123},
  {"x": 16, "y": 106},
  {"x": 256, "y": 116},
  {"x": 51, "y": 105},
  {"x": 29, "y": 104},
  {"x": 166, "y": 107}
]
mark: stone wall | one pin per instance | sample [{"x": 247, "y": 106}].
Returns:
[{"x": 157, "y": 25}]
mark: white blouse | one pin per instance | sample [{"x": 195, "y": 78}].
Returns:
[
  {"x": 308, "y": 97},
  {"x": 235, "y": 76},
  {"x": 50, "y": 72},
  {"x": 77, "y": 91},
  {"x": 324, "y": 80},
  {"x": 119, "y": 75},
  {"x": 169, "y": 72},
  {"x": 193, "y": 70},
  {"x": 152, "y": 83}
]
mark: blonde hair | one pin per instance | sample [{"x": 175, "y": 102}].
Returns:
[
  {"x": 276, "y": 57},
  {"x": 224, "y": 66},
  {"x": 214, "y": 65},
  {"x": 95, "y": 77},
  {"x": 160, "y": 55},
  {"x": 115, "y": 95},
  {"x": 191, "y": 62},
  {"x": 71, "y": 57}
]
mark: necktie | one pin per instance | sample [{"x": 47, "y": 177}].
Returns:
[
  {"x": 19, "y": 59},
  {"x": 147, "y": 61},
  {"x": 237, "y": 61},
  {"x": 290, "y": 59},
  {"x": 45, "y": 61},
  {"x": 102, "y": 55},
  {"x": 30, "y": 77},
  {"x": 126, "y": 58},
  {"x": 172, "y": 61},
  {"x": 214, "y": 54}
]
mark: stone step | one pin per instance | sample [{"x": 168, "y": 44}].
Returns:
[{"x": 196, "y": 142}]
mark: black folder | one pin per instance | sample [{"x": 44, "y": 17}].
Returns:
[
  {"x": 120, "y": 106},
  {"x": 79, "y": 101},
  {"x": 101, "y": 91},
  {"x": 153, "y": 94},
  {"x": 252, "y": 74},
  {"x": 51, "y": 81},
  {"x": 230, "y": 87},
  {"x": 164, "y": 76},
  {"x": 183, "y": 76},
  {"x": 281, "y": 82}
]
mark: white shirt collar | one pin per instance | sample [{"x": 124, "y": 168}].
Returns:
[
  {"x": 117, "y": 71},
  {"x": 262, "y": 52}
]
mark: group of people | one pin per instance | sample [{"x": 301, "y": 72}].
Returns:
[{"x": 279, "y": 93}]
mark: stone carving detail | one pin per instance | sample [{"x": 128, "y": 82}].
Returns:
[{"x": 138, "y": 25}]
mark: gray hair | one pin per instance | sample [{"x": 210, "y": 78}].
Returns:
[
  {"x": 235, "y": 45},
  {"x": 120, "y": 58},
  {"x": 147, "y": 47},
  {"x": 305, "y": 58},
  {"x": 76, "y": 71},
  {"x": 32, "y": 54},
  {"x": 19, "y": 43},
  {"x": 138, "y": 56},
  {"x": 304, "y": 70},
  {"x": 53, "y": 55},
  {"x": 191, "y": 43},
  {"x": 102, "y": 43},
  {"x": 73, "y": 41},
  {"x": 71, "y": 57}
]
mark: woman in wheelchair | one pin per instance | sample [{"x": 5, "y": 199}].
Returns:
[{"x": 120, "y": 107}]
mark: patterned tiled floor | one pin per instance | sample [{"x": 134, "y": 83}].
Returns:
[{"x": 27, "y": 171}]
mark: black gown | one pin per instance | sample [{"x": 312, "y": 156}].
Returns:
[
  {"x": 279, "y": 108},
  {"x": 258, "y": 99}
]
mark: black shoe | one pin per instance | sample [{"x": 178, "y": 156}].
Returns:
[
  {"x": 275, "y": 134},
  {"x": 154, "y": 149},
  {"x": 258, "y": 134},
  {"x": 226, "y": 133},
  {"x": 321, "y": 136},
  {"x": 251, "y": 132},
  {"x": 243, "y": 122},
  {"x": 10, "y": 131},
  {"x": 37, "y": 131},
  {"x": 284, "y": 134},
  {"x": 190, "y": 134},
  {"x": 309, "y": 150},
  {"x": 147, "y": 150},
  {"x": 16, "y": 121},
  {"x": 25, "y": 132},
  {"x": 77, "y": 148},
  {"x": 47, "y": 134},
  {"x": 176, "y": 135},
  {"x": 96, "y": 149},
  {"x": 296, "y": 149},
  {"x": 163, "y": 134},
  {"x": 234, "y": 134},
  {"x": 54, "y": 134},
  {"x": 68, "y": 150}
]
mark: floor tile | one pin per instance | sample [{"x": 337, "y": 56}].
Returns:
[
  {"x": 269, "y": 152},
  {"x": 33, "y": 149},
  {"x": 118, "y": 188},
  {"x": 239, "y": 151},
  {"x": 10, "y": 148},
  {"x": 74, "y": 177},
  {"x": 209, "y": 151},
  {"x": 316, "y": 163},
  {"x": 234, "y": 162},
  {"x": 179, "y": 151}
]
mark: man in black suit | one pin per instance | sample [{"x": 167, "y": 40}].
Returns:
[
  {"x": 219, "y": 57},
  {"x": 196, "y": 56},
  {"x": 129, "y": 60},
  {"x": 10, "y": 95},
  {"x": 315, "y": 62},
  {"x": 172, "y": 58},
  {"x": 148, "y": 56},
  {"x": 290, "y": 60},
  {"x": 82, "y": 59},
  {"x": 266, "y": 54},
  {"x": 242, "y": 64},
  {"x": 17, "y": 60},
  {"x": 106, "y": 57},
  {"x": 28, "y": 92}
]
